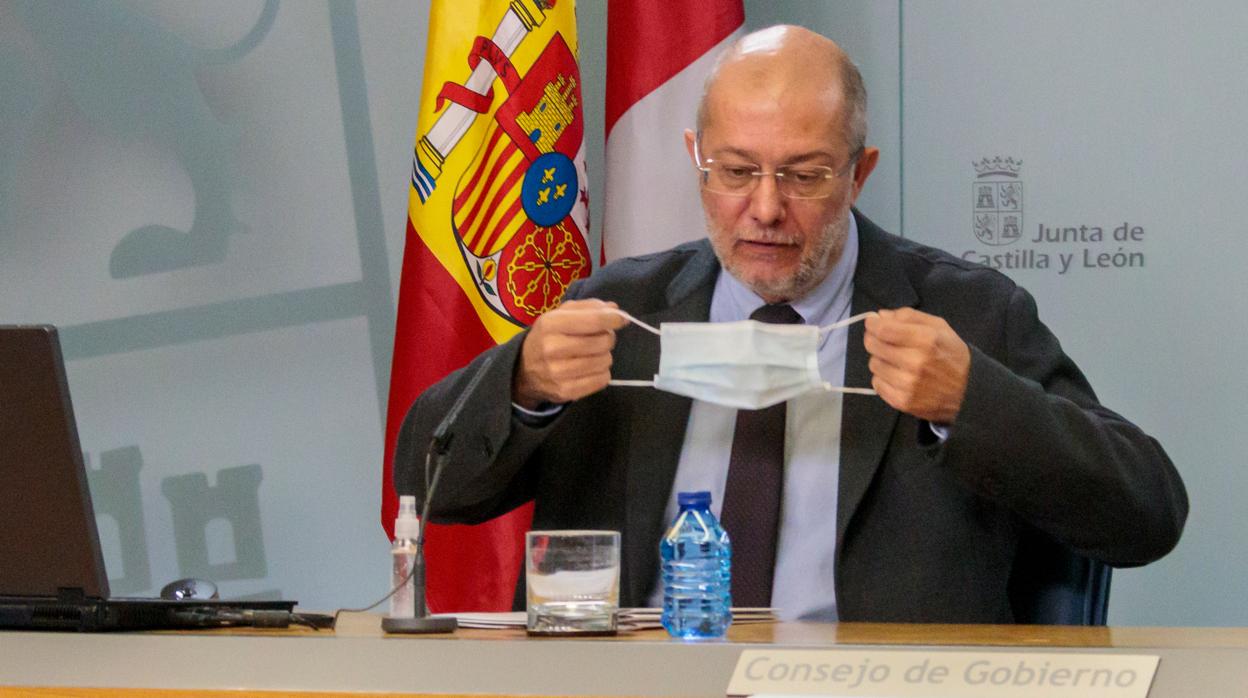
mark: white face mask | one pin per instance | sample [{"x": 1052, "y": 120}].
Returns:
[{"x": 746, "y": 364}]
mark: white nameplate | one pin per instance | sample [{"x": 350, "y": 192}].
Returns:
[{"x": 934, "y": 674}]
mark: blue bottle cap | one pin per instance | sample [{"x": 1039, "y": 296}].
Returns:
[{"x": 701, "y": 500}]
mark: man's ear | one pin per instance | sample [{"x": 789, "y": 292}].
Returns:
[
  {"x": 690, "y": 139},
  {"x": 863, "y": 168}
]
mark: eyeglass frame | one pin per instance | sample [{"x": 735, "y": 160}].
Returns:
[{"x": 778, "y": 174}]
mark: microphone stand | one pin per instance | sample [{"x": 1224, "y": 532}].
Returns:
[
  {"x": 421, "y": 622},
  {"x": 439, "y": 451}
]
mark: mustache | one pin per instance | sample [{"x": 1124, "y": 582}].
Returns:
[{"x": 769, "y": 236}]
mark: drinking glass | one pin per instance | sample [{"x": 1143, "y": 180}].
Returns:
[{"x": 573, "y": 580}]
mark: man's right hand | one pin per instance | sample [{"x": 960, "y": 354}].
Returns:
[{"x": 567, "y": 354}]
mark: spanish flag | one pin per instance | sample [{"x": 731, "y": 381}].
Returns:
[{"x": 497, "y": 229}]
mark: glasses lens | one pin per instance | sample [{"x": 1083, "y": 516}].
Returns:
[
  {"x": 728, "y": 178},
  {"x": 813, "y": 182},
  {"x": 807, "y": 182}
]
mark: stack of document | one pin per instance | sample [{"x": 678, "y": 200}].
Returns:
[
  {"x": 629, "y": 618},
  {"x": 647, "y": 618},
  {"x": 488, "y": 621}
]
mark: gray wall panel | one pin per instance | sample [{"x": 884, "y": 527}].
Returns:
[{"x": 1120, "y": 113}]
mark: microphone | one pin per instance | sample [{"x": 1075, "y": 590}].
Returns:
[{"x": 439, "y": 449}]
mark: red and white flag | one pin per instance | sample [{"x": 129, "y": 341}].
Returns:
[{"x": 658, "y": 56}]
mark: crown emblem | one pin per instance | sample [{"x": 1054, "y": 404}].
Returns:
[{"x": 1007, "y": 167}]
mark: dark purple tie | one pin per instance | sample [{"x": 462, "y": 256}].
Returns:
[{"x": 751, "y": 510}]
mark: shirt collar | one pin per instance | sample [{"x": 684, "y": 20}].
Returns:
[{"x": 823, "y": 305}]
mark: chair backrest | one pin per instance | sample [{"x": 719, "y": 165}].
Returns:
[{"x": 1051, "y": 585}]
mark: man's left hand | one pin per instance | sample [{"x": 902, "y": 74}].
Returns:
[{"x": 918, "y": 363}]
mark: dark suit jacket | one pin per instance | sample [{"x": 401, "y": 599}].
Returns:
[{"x": 926, "y": 532}]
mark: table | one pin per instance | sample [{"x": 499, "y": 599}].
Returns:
[{"x": 358, "y": 658}]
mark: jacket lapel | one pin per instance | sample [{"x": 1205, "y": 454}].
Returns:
[
  {"x": 654, "y": 449},
  {"x": 867, "y": 422}
]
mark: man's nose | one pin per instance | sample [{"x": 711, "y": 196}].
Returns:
[{"x": 766, "y": 203}]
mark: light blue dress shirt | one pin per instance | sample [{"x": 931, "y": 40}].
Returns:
[{"x": 803, "y": 586}]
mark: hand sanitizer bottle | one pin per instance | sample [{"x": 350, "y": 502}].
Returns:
[{"x": 403, "y": 556}]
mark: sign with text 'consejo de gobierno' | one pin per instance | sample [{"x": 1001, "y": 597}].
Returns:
[{"x": 937, "y": 674}]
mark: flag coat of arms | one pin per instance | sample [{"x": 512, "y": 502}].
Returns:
[{"x": 497, "y": 230}]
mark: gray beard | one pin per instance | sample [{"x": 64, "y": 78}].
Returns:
[{"x": 812, "y": 268}]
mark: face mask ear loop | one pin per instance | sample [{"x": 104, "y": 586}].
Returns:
[
  {"x": 846, "y": 322},
  {"x": 851, "y": 391},
  {"x": 644, "y": 326},
  {"x": 836, "y": 326},
  {"x": 635, "y": 321}
]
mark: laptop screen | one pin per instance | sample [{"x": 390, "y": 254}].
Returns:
[{"x": 48, "y": 537}]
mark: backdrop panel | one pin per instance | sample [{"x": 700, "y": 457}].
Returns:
[{"x": 1088, "y": 151}]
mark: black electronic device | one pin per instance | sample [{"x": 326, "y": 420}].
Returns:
[{"x": 52, "y": 574}]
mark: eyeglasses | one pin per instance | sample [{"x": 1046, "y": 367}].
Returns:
[{"x": 793, "y": 181}]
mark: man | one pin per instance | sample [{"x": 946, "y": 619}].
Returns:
[{"x": 927, "y": 503}]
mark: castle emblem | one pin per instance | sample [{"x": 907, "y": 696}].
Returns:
[{"x": 997, "y": 201}]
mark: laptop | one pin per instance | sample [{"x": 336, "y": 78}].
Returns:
[{"x": 52, "y": 574}]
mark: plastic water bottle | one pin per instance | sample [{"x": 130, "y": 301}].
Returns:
[
  {"x": 697, "y": 571},
  {"x": 403, "y": 555}
]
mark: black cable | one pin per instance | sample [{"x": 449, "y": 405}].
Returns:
[
  {"x": 420, "y": 538},
  {"x": 225, "y": 617},
  {"x": 441, "y": 444}
]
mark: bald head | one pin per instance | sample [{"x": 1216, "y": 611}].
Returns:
[{"x": 787, "y": 64}]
